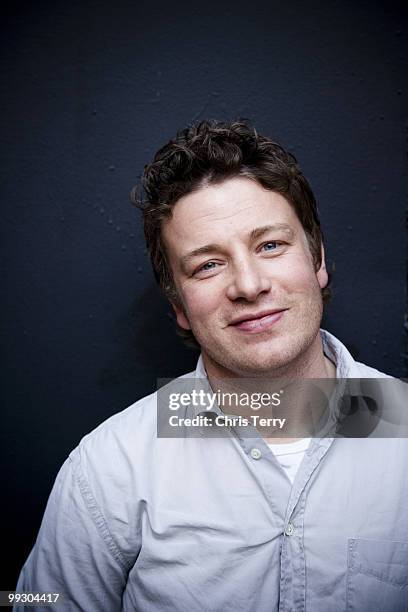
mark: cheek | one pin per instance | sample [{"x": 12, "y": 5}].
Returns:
[
  {"x": 300, "y": 272},
  {"x": 202, "y": 300}
]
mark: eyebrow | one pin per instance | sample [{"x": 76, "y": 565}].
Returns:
[
  {"x": 256, "y": 233},
  {"x": 260, "y": 231}
]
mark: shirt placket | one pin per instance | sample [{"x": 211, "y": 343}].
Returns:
[
  {"x": 288, "y": 506},
  {"x": 293, "y": 561}
]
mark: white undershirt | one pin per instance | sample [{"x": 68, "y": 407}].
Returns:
[{"x": 290, "y": 455}]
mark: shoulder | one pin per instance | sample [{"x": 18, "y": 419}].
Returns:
[
  {"x": 346, "y": 366},
  {"x": 122, "y": 446},
  {"x": 365, "y": 371},
  {"x": 122, "y": 426}
]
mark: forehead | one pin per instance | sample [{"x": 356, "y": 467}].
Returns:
[{"x": 223, "y": 212}]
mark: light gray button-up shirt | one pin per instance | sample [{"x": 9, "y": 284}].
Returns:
[{"x": 135, "y": 522}]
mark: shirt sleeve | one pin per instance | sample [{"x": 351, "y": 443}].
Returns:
[{"x": 75, "y": 554}]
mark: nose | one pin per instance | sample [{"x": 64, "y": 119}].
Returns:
[{"x": 248, "y": 281}]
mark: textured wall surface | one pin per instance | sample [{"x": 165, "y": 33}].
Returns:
[{"x": 90, "y": 90}]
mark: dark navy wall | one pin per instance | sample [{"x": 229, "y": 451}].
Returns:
[{"x": 90, "y": 90}]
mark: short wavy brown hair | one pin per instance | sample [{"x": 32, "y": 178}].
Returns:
[{"x": 209, "y": 153}]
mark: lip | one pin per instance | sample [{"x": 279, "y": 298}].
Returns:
[{"x": 255, "y": 323}]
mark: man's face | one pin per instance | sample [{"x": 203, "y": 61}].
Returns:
[{"x": 245, "y": 277}]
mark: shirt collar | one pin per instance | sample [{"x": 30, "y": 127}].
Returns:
[{"x": 346, "y": 366}]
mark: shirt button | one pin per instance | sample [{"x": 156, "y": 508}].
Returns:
[
  {"x": 256, "y": 453},
  {"x": 290, "y": 530}
]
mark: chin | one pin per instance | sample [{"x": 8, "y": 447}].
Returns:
[
  {"x": 262, "y": 366},
  {"x": 274, "y": 356},
  {"x": 253, "y": 365}
]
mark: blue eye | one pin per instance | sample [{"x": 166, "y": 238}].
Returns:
[
  {"x": 210, "y": 265},
  {"x": 270, "y": 246}
]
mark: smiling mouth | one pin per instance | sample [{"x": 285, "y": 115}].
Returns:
[{"x": 259, "y": 324}]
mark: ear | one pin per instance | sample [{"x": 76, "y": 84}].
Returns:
[
  {"x": 321, "y": 274},
  {"x": 181, "y": 316}
]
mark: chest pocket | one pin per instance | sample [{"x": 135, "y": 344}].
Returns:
[{"x": 377, "y": 576}]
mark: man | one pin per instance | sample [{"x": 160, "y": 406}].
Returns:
[{"x": 137, "y": 521}]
